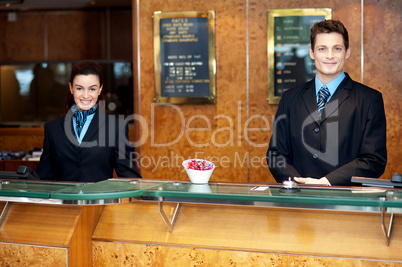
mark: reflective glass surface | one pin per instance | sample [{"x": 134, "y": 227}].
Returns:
[
  {"x": 185, "y": 191},
  {"x": 266, "y": 193},
  {"x": 20, "y": 188},
  {"x": 108, "y": 189}
]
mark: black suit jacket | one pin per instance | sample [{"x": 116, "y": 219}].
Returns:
[
  {"x": 104, "y": 148},
  {"x": 348, "y": 140}
]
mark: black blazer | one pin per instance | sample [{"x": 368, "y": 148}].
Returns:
[
  {"x": 104, "y": 148},
  {"x": 349, "y": 139}
]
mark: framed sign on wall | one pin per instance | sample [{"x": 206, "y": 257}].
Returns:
[
  {"x": 289, "y": 62},
  {"x": 184, "y": 57}
]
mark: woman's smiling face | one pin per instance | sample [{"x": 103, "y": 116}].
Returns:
[{"x": 86, "y": 90}]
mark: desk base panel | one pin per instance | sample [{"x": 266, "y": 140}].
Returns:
[
  {"x": 126, "y": 254},
  {"x": 248, "y": 232},
  {"x": 26, "y": 255}
]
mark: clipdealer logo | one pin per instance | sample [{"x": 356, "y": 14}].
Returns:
[
  {"x": 231, "y": 128},
  {"x": 174, "y": 160},
  {"x": 330, "y": 152}
]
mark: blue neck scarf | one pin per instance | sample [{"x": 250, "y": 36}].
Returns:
[{"x": 81, "y": 117}]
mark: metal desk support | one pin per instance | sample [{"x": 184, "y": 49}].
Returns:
[
  {"x": 3, "y": 213},
  {"x": 169, "y": 224},
  {"x": 387, "y": 234}
]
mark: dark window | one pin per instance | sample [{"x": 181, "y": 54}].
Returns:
[{"x": 32, "y": 93}]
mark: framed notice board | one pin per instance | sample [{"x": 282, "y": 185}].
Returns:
[
  {"x": 184, "y": 57},
  {"x": 289, "y": 62}
]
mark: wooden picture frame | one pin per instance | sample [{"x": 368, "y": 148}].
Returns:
[{"x": 184, "y": 57}]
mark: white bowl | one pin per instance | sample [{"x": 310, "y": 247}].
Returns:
[
  {"x": 200, "y": 188},
  {"x": 198, "y": 176}
]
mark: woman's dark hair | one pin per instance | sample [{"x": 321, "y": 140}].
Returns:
[
  {"x": 84, "y": 68},
  {"x": 329, "y": 26}
]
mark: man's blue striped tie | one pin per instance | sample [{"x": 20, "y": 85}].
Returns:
[{"x": 323, "y": 95}]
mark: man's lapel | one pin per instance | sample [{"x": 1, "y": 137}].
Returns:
[
  {"x": 342, "y": 92},
  {"x": 310, "y": 101}
]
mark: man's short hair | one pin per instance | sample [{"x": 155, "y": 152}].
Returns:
[{"x": 329, "y": 26}]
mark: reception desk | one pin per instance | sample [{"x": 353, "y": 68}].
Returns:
[{"x": 131, "y": 222}]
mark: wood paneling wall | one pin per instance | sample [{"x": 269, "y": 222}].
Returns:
[
  {"x": 21, "y": 139},
  {"x": 75, "y": 35},
  {"x": 235, "y": 131},
  {"x": 23, "y": 39},
  {"x": 210, "y": 131},
  {"x": 382, "y": 69},
  {"x": 66, "y": 35}
]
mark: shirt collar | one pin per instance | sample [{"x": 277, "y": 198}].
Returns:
[{"x": 332, "y": 85}]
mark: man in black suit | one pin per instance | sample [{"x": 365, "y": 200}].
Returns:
[
  {"x": 85, "y": 144},
  {"x": 331, "y": 128}
]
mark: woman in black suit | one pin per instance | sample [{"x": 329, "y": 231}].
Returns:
[{"x": 86, "y": 144}]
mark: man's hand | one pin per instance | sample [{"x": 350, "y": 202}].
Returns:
[{"x": 308, "y": 180}]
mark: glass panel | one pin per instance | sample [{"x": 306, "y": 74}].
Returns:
[
  {"x": 185, "y": 191},
  {"x": 20, "y": 188},
  {"x": 108, "y": 189},
  {"x": 394, "y": 198},
  {"x": 249, "y": 192}
]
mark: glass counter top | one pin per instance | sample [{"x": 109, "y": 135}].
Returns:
[
  {"x": 113, "y": 191},
  {"x": 272, "y": 193},
  {"x": 186, "y": 191},
  {"x": 309, "y": 197},
  {"x": 108, "y": 189},
  {"x": 32, "y": 189}
]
